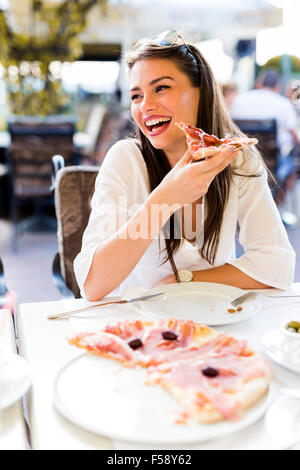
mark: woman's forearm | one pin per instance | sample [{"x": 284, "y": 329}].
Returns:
[
  {"x": 230, "y": 275},
  {"x": 116, "y": 257},
  {"x": 225, "y": 274}
]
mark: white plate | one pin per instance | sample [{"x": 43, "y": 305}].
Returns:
[
  {"x": 274, "y": 346},
  {"x": 103, "y": 397},
  {"x": 5, "y": 356},
  {"x": 282, "y": 421},
  {"x": 203, "y": 302},
  {"x": 14, "y": 380}
]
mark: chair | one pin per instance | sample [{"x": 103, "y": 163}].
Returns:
[
  {"x": 283, "y": 169},
  {"x": 33, "y": 142},
  {"x": 74, "y": 187},
  {"x": 265, "y": 130}
]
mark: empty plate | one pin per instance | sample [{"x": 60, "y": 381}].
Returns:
[{"x": 204, "y": 302}]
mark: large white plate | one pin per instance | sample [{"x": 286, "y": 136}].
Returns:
[
  {"x": 282, "y": 421},
  {"x": 103, "y": 397},
  {"x": 203, "y": 302},
  {"x": 274, "y": 346},
  {"x": 15, "y": 379}
]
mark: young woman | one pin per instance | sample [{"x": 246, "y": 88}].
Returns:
[{"x": 159, "y": 217}]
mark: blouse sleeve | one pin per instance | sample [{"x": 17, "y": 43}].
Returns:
[
  {"x": 269, "y": 257},
  {"x": 117, "y": 194}
]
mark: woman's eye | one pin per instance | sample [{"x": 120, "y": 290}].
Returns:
[
  {"x": 135, "y": 97},
  {"x": 158, "y": 89},
  {"x": 161, "y": 88}
]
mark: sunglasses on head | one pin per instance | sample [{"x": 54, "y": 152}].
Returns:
[{"x": 169, "y": 38}]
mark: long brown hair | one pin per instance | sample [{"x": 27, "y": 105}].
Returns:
[{"x": 213, "y": 118}]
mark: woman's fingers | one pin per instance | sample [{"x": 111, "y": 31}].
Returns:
[
  {"x": 186, "y": 158},
  {"x": 216, "y": 162},
  {"x": 228, "y": 160}
]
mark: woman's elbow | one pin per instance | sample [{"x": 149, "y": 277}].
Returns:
[
  {"x": 91, "y": 294},
  {"x": 94, "y": 293},
  {"x": 92, "y": 298}
]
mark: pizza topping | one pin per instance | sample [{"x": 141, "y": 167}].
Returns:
[
  {"x": 223, "y": 345},
  {"x": 104, "y": 344},
  {"x": 135, "y": 343},
  {"x": 155, "y": 343},
  {"x": 203, "y": 145},
  {"x": 210, "y": 371},
  {"x": 183, "y": 356},
  {"x": 170, "y": 335},
  {"x": 125, "y": 330},
  {"x": 182, "y": 418},
  {"x": 218, "y": 391}
]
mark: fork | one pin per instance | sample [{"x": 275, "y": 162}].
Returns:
[
  {"x": 251, "y": 295},
  {"x": 243, "y": 298}
]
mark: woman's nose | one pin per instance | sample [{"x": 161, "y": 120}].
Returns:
[{"x": 148, "y": 103}]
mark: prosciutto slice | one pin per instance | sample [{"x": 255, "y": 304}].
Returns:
[{"x": 206, "y": 366}]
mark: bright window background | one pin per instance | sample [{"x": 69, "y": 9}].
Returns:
[{"x": 90, "y": 76}]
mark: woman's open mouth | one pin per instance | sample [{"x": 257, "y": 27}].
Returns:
[{"x": 157, "y": 125}]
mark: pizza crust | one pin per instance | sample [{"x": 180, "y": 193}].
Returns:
[
  {"x": 203, "y": 334},
  {"x": 206, "y": 152},
  {"x": 251, "y": 394}
]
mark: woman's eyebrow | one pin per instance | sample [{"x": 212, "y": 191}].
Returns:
[{"x": 154, "y": 81}]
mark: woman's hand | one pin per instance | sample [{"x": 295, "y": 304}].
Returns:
[{"x": 189, "y": 180}]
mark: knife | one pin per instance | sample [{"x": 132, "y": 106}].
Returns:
[{"x": 136, "y": 299}]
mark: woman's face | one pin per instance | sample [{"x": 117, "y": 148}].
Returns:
[{"x": 160, "y": 96}]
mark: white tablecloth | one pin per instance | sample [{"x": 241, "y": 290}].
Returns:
[
  {"x": 12, "y": 426},
  {"x": 43, "y": 343}
]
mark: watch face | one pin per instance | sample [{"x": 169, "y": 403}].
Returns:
[{"x": 185, "y": 275}]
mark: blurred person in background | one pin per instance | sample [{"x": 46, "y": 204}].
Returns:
[
  {"x": 292, "y": 92},
  {"x": 229, "y": 91},
  {"x": 265, "y": 102}
]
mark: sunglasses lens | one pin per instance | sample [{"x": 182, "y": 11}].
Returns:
[{"x": 167, "y": 38}]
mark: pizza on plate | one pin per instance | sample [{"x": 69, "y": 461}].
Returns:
[
  {"x": 202, "y": 145},
  {"x": 212, "y": 375}
]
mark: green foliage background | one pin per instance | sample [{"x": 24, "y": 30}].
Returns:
[
  {"x": 53, "y": 36},
  {"x": 275, "y": 63}
]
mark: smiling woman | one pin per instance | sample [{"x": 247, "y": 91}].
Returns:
[
  {"x": 160, "y": 86},
  {"x": 159, "y": 217}
]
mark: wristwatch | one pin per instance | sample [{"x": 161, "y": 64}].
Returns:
[{"x": 185, "y": 275}]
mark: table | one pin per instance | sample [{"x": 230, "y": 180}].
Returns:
[
  {"x": 12, "y": 426},
  {"x": 43, "y": 343}
]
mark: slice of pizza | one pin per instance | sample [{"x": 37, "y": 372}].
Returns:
[
  {"x": 212, "y": 375},
  {"x": 145, "y": 343},
  {"x": 202, "y": 145},
  {"x": 214, "y": 388}
]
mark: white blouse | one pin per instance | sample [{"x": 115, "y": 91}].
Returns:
[{"x": 122, "y": 185}]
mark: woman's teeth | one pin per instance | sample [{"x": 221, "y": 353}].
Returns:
[
  {"x": 153, "y": 122},
  {"x": 155, "y": 125}
]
